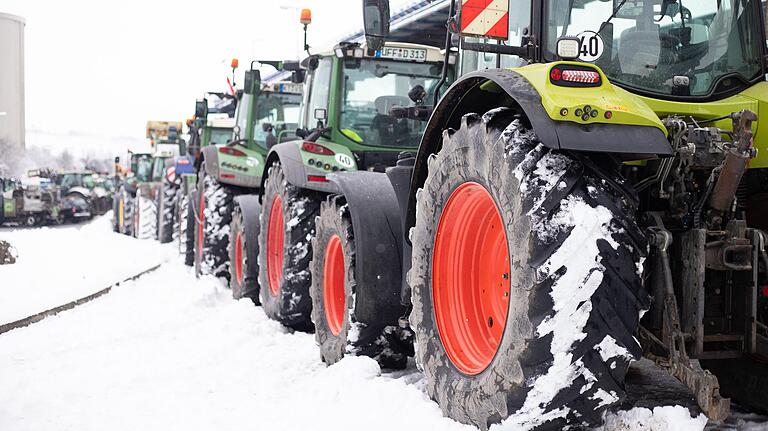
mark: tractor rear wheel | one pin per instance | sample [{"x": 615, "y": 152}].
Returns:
[
  {"x": 335, "y": 295},
  {"x": 525, "y": 284},
  {"x": 244, "y": 248},
  {"x": 214, "y": 209},
  {"x": 145, "y": 217},
  {"x": 186, "y": 235},
  {"x": 166, "y": 210},
  {"x": 125, "y": 213},
  {"x": 287, "y": 225}
]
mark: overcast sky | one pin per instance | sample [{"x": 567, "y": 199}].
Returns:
[{"x": 105, "y": 67}]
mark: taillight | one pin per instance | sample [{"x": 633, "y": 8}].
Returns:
[
  {"x": 317, "y": 178},
  {"x": 570, "y": 75},
  {"x": 584, "y": 76},
  {"x": 316, "y": 149},
  {"x": 231, "y": 151}
]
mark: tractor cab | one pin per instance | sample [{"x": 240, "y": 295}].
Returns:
[
  {"x": 142, "y": 167},
  {"x": 374, "y": 102},
  {"x": 268, "y": 111}
]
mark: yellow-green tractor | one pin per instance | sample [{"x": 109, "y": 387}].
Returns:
[{"x": 593, "y": 189}]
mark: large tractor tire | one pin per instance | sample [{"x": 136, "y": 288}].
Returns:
[
  {"x": 214, "y": 209},
  {"x": 187, "y": 228},
  {"x": 285, "y": 250},
  {"x": 145, "y": 217},
  {"x": 335, "y": 295},
  {"x": 525, "y": 279},
  {"x": 166, "y": 198},
  {"x": 244, "y": 248}
]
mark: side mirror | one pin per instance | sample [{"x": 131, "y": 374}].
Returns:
[
  {"x": 252, "y": 81},
  {"x": 298, "y": 76},
  {"x": 376, "y": 22},
  {"x": 201, "y": 108}
]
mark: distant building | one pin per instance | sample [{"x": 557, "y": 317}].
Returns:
[{"x": 12, "y": 79}]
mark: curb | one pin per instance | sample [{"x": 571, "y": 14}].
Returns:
[{"x": 69, "y": 305}]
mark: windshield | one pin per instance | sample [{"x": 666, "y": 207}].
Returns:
[
  {"x": 277, "y": 117},
  {"x": 220, "y": 135},
  {"x": 372, "y": 89},
  {"x": 670, "y": 47},
  {"x": 141, "y": 166}
]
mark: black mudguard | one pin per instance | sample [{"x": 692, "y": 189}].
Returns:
[
  {"x": 251, "y": 209},
  {"x": 376, "y": 224},
  {"x": 211, "y": 155},
  {"x": 294, "y": 169}
]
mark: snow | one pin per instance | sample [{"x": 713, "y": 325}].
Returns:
[
  {"x": 173, "y": 352},
  {"x": 170, "y": 351},
  {"x": 665, "y": 418},
  {"x": 60, "y": 264}
]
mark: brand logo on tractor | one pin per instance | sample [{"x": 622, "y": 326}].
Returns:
[
  {"x": 485, "y": 18},
  {"x": 252, "y": 162}
]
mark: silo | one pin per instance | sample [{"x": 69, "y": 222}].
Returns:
[{"x": 12, "y": 79}]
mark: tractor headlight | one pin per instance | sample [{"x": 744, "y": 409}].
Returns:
[{"x": 339, "y": 52}]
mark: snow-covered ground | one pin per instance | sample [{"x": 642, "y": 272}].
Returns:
[
  {"x": 64, "y": 263},
  {"x": 169, "y": 351}
]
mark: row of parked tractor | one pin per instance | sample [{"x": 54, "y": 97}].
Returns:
[
  {"x": 533, "y": 201},
  {"x": 54, "y": 197}
]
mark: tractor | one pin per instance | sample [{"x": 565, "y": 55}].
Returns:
[
  {"x": 83, "y": 194},
  {"x": 591, "y": 190},
  {"x": 212, "y": 125},
  {"x": 28, "y": 205},
  {"x": 228, "y": 173},
  {"x": 363, "y": 108},
  {"x": 138, "y": 199}
]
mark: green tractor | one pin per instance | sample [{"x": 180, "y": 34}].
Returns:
[
  {"x": 139, "y": 194},
  {"x": 593, "y": 189},
  {"x": 29, "y": 205},
  {"x": 362, "y": 109},
  {"x": 230, "y": 174},
  {"x": 213, "y": 125}
]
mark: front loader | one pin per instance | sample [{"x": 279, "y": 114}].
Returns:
[{"x": 591, "y": 190}]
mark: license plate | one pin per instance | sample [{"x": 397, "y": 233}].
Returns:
[{"x": 411, "y": 54}]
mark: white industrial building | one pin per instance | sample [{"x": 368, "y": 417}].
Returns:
[{"x": 12, "y": 79}]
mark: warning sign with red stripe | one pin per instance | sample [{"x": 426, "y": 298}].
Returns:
[{"x": 485, "y": 18}]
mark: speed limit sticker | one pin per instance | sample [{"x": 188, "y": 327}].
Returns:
[
  {"x": 345, "y": 160},
  {"x": 591, "y": 46}
]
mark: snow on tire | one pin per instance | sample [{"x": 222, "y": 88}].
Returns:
[
  {"x": 212, "y": 229},
  {"x": 335, "y": 296},
  {"x": 244, "y": 248},
  {"x": 125, "y": 212},
  {"x": 287, "y": 225},
  {"x": 166, "y": 210},
  {"x": 186, "y": 234},
  {"x": 549, "y": 248},
  {"x": 145, "y": 217}
]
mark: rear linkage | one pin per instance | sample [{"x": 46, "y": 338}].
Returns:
[{"x": 676, "y": 335}]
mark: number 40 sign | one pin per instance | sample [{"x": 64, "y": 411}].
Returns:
[{"x": 590, "y": 46}]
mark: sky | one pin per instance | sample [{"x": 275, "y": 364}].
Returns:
[{"x": 106, "y": 67}]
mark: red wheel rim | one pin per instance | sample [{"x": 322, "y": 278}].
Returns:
[
  {"x": 470, "y": 278},
  {"x": 239, "y": 259},
  {"x": 275, "y": 239},
  {"x": 334, "y": 296},
  {"x": 200, "y": 227}
]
